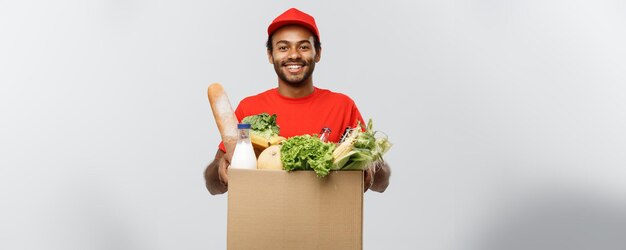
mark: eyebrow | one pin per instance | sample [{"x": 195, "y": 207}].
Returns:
[{"x": 287, "y": 42}]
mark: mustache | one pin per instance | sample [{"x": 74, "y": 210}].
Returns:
[{"x": 303, "y": 62}]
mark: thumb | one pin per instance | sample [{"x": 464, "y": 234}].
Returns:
[{"x": 367, "y": 179}]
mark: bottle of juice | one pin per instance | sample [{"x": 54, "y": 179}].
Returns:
[{"x": 243, "y": 157}]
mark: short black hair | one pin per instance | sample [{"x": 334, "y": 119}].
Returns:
[{"x": 316, "y": 43}]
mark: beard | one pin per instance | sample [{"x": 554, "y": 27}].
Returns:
[{"x": 295, "y": 80}]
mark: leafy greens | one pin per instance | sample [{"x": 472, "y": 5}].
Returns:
[
  {"x": 366, "y": 148},
  {"x": 306, "y": 152},
  {"x": 262, "y": 124}
]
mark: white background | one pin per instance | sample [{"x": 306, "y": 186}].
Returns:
[{"x": 507, "y": 118}]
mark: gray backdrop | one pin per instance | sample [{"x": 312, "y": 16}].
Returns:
[{"x": 507, "y": 118}]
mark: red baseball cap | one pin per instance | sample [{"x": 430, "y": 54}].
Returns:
[{"x": 294, "y": 16}]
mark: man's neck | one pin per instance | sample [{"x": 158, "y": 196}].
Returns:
[{"x": 290, "y": 91}]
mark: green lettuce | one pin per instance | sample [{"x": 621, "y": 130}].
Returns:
[
  {"x": 306, "y": 152},
  {"x": 262, "y": 124}
]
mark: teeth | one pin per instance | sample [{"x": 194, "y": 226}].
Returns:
[{"x": 293, "y": 66}]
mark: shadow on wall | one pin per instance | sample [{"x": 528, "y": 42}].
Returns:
[{"x": 559, "y": 222}]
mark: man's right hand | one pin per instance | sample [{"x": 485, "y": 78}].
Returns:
[
  {"x": 216, "y": 176},
  {"x": 223, "y": 171}
]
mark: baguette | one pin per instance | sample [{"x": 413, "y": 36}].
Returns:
[{"x": 224, "y": 117}]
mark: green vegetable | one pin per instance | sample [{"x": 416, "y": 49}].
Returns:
[
  {"x": 364, "y": 149},
  {"x": 262, "y": 125},
  {"x": 305, "y": 153}
]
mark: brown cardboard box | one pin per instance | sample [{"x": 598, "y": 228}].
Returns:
[{"x": 269, "y": 209}]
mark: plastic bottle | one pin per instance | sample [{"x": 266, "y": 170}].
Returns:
[
  {"x": 345, "y": 134},
  {"x": 325, "y": 134},
  {"x": 243, "y": 157}
]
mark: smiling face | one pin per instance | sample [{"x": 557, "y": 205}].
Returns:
[{"x": 293, "y": 55}]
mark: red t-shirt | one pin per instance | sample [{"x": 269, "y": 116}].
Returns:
[{"x": 306, "y": 115}]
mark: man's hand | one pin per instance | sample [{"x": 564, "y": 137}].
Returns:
[
  {"x": 215, "y": 174},
  {"x": 376, "y": 177},
  {"x": 223, "y": 171},
  {"x": 368, "y": 177}
]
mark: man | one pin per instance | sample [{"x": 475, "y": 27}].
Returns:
[{"x": 294, "y": 47}]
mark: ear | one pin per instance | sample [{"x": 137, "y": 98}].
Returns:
[
  {"x": 270, "y": 57},
  {"x": 318, "y": 55}
]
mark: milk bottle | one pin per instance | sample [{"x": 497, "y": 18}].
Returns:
[{"x": 243, "y": 157}]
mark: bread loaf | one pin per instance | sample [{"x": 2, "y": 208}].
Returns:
[{"x": 224, "y": 117}]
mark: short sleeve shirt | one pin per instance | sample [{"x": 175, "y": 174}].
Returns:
[{"x": 306, "y": 115}]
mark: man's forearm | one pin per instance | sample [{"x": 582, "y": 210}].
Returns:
[{"x": 381, "y": 178}]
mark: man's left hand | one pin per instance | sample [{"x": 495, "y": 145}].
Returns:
[
  {"x": 376, "y": 177},
  {"x": 368, "y": 176}
]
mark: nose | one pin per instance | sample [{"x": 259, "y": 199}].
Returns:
[{"x": 294, "y": 54}]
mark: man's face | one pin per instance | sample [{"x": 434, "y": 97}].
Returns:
[{"x": 293, "y": 55}]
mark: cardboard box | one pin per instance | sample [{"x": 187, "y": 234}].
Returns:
[{"x": 294, "y": 210}]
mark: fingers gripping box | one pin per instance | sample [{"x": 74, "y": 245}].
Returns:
[{"x": 294, "y": 210}]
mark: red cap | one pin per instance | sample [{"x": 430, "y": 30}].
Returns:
[{"x": 294, "y": 16}]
